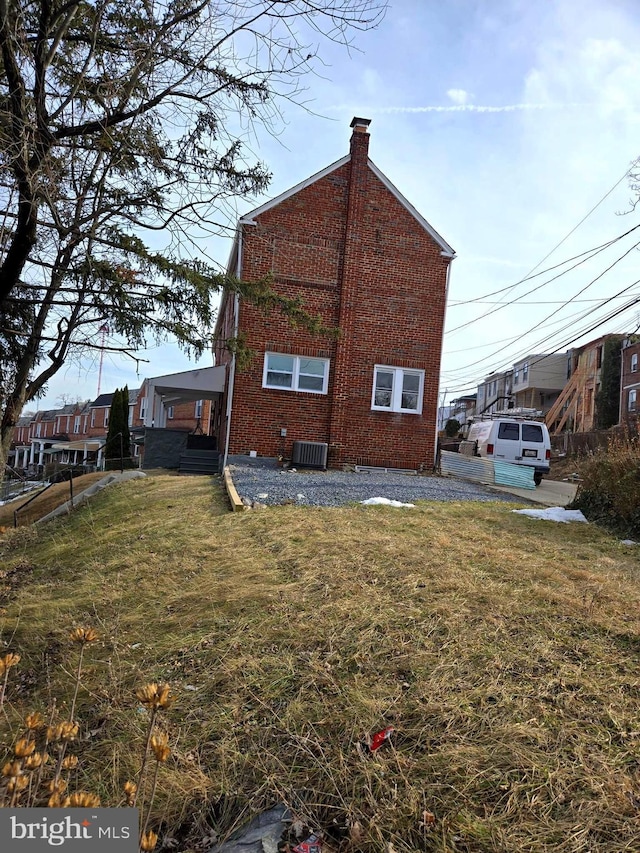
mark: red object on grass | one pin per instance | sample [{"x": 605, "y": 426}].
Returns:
[
  {"x": 379, "y": 738},
  {"x": 313, "y": 844}
]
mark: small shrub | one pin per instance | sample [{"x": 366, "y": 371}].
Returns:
[
  {"x": 452, "y": 428},
  {"x": 610, "y": 489}
]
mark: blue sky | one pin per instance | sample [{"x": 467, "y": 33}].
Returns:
[{"x": 504, "y": 123}]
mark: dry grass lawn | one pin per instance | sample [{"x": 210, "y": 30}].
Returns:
[{"x": 503, "y": 650}]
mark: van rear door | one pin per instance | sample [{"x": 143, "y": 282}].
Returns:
[
  {"x": 533, "y": 448},
  {"x": 507, "y": 441}
]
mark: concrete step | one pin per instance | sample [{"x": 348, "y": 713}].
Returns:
[{"x": 199, "y": 462}]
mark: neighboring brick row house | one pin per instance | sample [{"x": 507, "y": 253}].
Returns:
[
  {"x": 356, "y": 252},
  {"x": 630, "y": 383},
  {"x": 75, "y": 434}
]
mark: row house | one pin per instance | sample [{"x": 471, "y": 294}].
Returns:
[
  {"x": 494, "y": 393},
  {"x": 76, "y": 433},
  {"x": 630, "y": 382},
  {"x": 538, "y": 381},
  {"x": 463, "y": 408},
  {"x": 575, "y": 407}
]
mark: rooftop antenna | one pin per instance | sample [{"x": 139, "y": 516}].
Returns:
[{"x": 104, "y": 331}]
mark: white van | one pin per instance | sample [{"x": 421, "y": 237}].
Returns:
[{"x": 522, "y": 442}]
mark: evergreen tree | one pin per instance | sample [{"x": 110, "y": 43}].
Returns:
[
  {"x": 113, "y": 446},
  {"x": 126, "y": 435}
]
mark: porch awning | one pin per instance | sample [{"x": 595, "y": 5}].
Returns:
[
  {"x": 90, "y": 444},
  {"x": 206, "y": 383}
]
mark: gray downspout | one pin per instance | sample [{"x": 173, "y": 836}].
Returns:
[
  {"x": 444, "y": 317},
  {"x": 232, "y": 369}
]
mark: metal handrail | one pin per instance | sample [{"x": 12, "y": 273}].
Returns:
[{"x": 37, "y": 495}]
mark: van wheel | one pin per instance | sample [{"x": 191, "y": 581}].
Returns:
[{"x": 537, "y": 478}]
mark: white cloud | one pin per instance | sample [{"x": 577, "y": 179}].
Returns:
[{"x": 458, "y": 96}]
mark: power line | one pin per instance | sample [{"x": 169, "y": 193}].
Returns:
[
  {"x": 594, "y": 250},
  {"x": 553, "y": 313},
  {"x": 566, "y": 343},
  {"x": 502, "y": 305}
]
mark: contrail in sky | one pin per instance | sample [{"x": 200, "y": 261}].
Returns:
[{"x": 465, "y": 108}]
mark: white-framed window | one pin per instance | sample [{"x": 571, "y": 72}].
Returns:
[
  {"x": 170, "y": 413},
  {"x": 632, "y": 401},
  {"x": 76, "y": 424},
  {"x": 106, "y": 417},
  {"x": 38, "y": 430},
  {"x": 525, "y": 371},
  {"x": 143, "y": 408},
  {"x": 295, "y": 373},
  {"x": 634, "y": 362},
  {"x": 198, "y": 409},
  {"x": 516, "y": 376},
  {"x": 93, "y": 417},
  {"x": 397, "y": 389}
]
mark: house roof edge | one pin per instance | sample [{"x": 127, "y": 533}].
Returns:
[
  {"x": 248, "y": 218},
  {"x": 446, "y": 250}
]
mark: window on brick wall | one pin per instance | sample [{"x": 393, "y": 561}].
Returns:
[
  {"x": 198, "y": 409},
  {"x": 634, "y": 362},
  {"x": 106, "y": 417},
  {"x": 76, "y": 424},
  {"x": 632, "y": 401},
  {"x": 295, "y": 373},
  {"x": 170, "y": 413},
  {"x": 397, "y": 389},
  {"x": 93, "y": 417}
]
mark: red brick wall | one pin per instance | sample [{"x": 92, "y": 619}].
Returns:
[
  {"x": 355, "y": 255},
  {"x": 184, "y": 417},
  {"x": 630, "y": 381}
]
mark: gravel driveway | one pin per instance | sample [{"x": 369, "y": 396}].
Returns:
[{"x": 260, "y": 480}]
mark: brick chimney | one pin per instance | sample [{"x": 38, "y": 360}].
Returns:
[
  {"x": 360, "y": 138},
  {"x": 350, "y": 279}
]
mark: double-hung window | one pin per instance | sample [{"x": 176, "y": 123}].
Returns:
[
  {"x": 295, "y": 373},
  {"x": 397, "y": 389},
  {"x": 634, "y": 363},
  {"x": 632, "y": 401}
]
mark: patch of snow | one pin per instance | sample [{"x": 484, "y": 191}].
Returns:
[
  {"x": 384, "y": 502},
  {"x": 627, "y": 542},
  {"x": 553, "y": 513}
]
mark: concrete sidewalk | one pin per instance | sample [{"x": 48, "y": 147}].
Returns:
[{"x": 548, "y": 493}]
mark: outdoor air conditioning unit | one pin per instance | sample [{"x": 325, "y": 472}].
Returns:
[{"x": 310, "y": 454}]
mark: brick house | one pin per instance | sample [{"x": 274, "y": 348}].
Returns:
[
  {"x": 630, "y": 383},
  {"x": 361, "y": 257}
]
